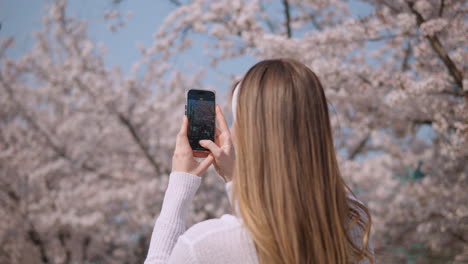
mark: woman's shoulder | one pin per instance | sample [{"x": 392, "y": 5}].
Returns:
[
  {"x": 213, "y": 227},
  {"x": 223, "y": 238}
]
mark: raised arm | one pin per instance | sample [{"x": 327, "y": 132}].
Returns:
[{"x": 171, "y": 221}]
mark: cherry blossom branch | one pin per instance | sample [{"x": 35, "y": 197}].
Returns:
[
  {"x": 62, "y": 236},
  {"x": 60, "y": 151},
  {"x": 5, "y": 45},
  {"x": 408, "y": 51},
  {"x": 377, "y": 38},
  {"x": 315, "y": 22},
  {"x": 433, "y": 216},
  {"x": 459, "y": 237},
  {"x": 123, "y": 120},
  {"x": 359, "y": 147},
  {"x": 423, "y": 122},
  {"x": 32, "y": 234},
  {"x": 456, "y": 93},
  {"x": 176, "y": 2},
  {"x": 10, "y": 192},
  {"x": 438, "y": 48},
  {"x": 441, "y": 9},
  {"x": 128, "y": 125},
  {"x": 85, "y": 244},
  {"x": 36, "y": 239},
  {"x": 131, "y": 128},
  {"x": 287, "y": 15}
]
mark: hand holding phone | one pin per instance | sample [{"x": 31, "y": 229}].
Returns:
[
  {"x": 200, "y": 111},
  {"x": 183, "y": 160},
  {"x": 223, "y": 150}
]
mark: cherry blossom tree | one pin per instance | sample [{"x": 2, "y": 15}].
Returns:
[{"x": 85, "y": 150}]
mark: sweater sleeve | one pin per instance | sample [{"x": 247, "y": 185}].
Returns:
[{"x": 171, "y": 221}]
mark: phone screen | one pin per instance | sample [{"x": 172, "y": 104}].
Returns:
[{"x": 201, "y": 116}]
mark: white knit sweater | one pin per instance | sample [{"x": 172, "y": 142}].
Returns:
[{"x": 222, "y": 240}]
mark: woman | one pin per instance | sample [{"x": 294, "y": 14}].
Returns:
[{"x": 291, "y": 203}]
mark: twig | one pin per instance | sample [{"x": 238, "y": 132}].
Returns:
[
  {"x": 405, "y": 64},
  {"x": 128, "y": 124},
  {"x": 459, "y": 237},
  {"x": 131, "y": 128},
  {"x": 438, "y": 49},
  {"x": 59, "y": 151},
  {"x": 39, "y": 243},
  {"x": 62, "y": 236},
  {"x": 176, "y": 2},
  {"x": 441, "y": 9},
  {"x": 85, "y": 243},
  {"x": 315, "y": 22},
  {"x": 287, "y": 14},
  {"x": 359, "y": 147}
]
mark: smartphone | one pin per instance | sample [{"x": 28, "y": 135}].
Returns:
[{"x": 200, "y": 111}]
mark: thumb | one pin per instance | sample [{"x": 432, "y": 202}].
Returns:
[{"x": 214, "y": 149}]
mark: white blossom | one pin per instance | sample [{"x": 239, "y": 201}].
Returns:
[
  {"x": 433, "y": 26},
  {"x": 85, "y": 150}
]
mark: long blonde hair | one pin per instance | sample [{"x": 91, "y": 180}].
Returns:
[{"x": 287, "y": 183}]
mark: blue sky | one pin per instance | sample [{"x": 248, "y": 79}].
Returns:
[{"x": 20, "y": 18}]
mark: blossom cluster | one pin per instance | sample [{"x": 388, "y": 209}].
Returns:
[{"x": 85, "y": 150}]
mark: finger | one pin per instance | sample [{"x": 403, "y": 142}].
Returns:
[
  {"x": 183, "y": 128},
  {"x": 221, "y": 120},
  {"x": 211, "y": 146},
  {"x": 205, "y": 164},
  {"x": 182, "y": 139},
  {"x": 217, "y": 135},
  {"x": 226, "y": 140}
]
